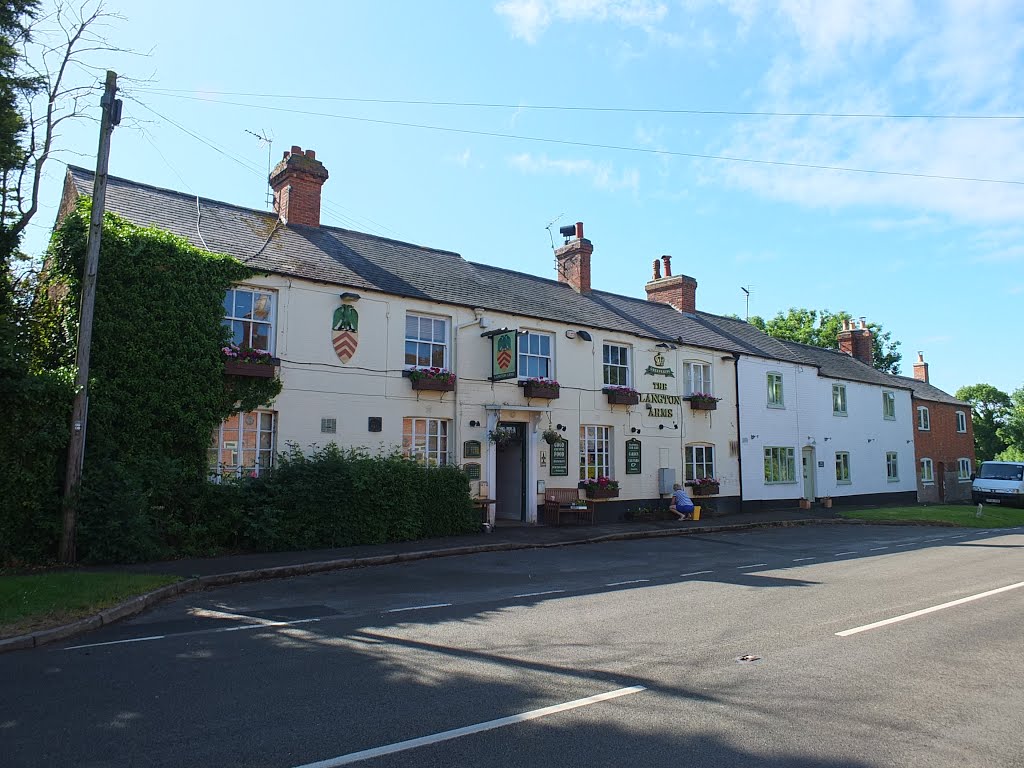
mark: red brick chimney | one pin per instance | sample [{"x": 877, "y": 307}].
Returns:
[
  {"x": 855, "y": 340},
  {"x": 573, "y": 262},
  {"x": 296, "y": 182},
  {"x": 679, "y": 291},
  {"x": 921, "y": 368}
]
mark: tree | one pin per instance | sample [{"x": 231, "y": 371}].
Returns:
[
  {"x": 820, "y": 328},
  {"x": 991, "y": 408},
  {"x": 1012, "y": 430}
]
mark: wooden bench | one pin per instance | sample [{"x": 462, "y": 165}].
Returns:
[{"x": 560, "y": 501}]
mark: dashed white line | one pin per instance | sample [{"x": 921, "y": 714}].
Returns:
[
  {"x": 538, "y": 594},
  {"x": 694, "y": 573},
  {"x": 263, "y": 624},
  {"x": 923, "y": 611},
  {"x": 631, "y": 581},
  {"x": 801, "y": 559},
  {"x": 876, "y": 549},
  {"x": 422, "y": 741},
  {"x": 840, "y": 554},
  {"x": 908, "y": 544},
  {"x": 754, "y": 565},
  {"x": 419, "y": 607}
]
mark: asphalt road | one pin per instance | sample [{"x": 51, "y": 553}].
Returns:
[{"x": 609, "y": 654}]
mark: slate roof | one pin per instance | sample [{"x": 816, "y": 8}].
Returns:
[
  {"x": 834, "y": 364},
  {"x": 922, "y": 391}
]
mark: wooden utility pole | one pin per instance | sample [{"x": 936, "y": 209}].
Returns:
[{"x": 110, "y": 117}]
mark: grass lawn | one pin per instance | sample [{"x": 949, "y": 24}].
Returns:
[
  {"x": 44, "y": 600},
  {"x": 992, "y": 516}
]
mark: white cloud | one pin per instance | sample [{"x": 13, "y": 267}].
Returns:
[
  {"x": 602, "y": 175},
  {"x": 529, "y": 18},
  {"x": 462, "y": 159}
]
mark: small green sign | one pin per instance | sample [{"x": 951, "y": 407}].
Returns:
[
  {"x": 559, "y": 459},
  {"x": 472, "y": 471},
  {"x": 471, "y": 449},
  {"x": 632, "y": 456}
]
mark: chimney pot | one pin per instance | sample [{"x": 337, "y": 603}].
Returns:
[
  {"x": 296, "y": 149},
  {"x": 311, "y": 154},
  {"x": 579, "y": 230},
  {"x": 668, "y": 265},
  {"x": 657, "y": 270}
]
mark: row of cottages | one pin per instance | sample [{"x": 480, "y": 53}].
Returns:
[{"x": 357, "y": 323}]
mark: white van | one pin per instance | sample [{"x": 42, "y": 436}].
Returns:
[{"x": 999, "y": 482}]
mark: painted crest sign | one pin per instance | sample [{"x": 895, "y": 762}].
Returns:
[
  {"x": 345, "y": 332},
  {"x": 504, "y": 354}
]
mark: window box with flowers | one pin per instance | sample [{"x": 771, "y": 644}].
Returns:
[
  {"x": 246, "y": 361},
  {"x": 541, "y": 387},
  {"x": 704, "y": 486},
  {"x": 622, "y": 395},
  {"x": 431, "y": 379},
  {"x": 601, "y": 488},
  {"x": 702, "y": 401}
]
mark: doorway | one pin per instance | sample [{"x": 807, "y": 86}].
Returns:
[
  {"x": 808, "y": 468},
  {"x": 510, "y": 474},
  {"x": 940, "y": 480}
]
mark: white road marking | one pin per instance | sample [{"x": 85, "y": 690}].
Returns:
[
  {"x": 401, "y": 746},
  {"x": 419, "y": 607},
  {"x": 923, "y": 611},
  {"x": 538, "y": 594},
  {"x": 116, "y": 642},
  {"x": 840, "y": 554},
  {"x": 631, "y": 581},
  {"x": 801, "y": 559},
  {"x": 961, "y": 536},
  {"x": 908, "y": 544},
  {"x": 694, "y": 573},
  {"x": 875, "y": 549},
  {"x": 263, "y": 624},
  {"x": 755, "y": 565}
]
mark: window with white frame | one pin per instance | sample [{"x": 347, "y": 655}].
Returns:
[
  {"x": 961, "y": 421},
  {"x": 697, "y": 378},
  {"x": 243, "y": 445},
  {"x": 426, "y": 341},
  {"x": 838, "y": 399},
  {"x": 425, "y": 440},
  {"x": 963, "y": 469},
  {"x": 535, "y": 356},
  {"x": 699, "y": 462},
  {"x": 892, "y": 466},
  {"x": 616, "y": 366},
  {"x": 888, "y": 405},
  {"x": 249, "y": 313},
  {"x": 775, "y": 390},
  {"x": 779, "y": 465},
  {"x": 842, "y": 467},
  {"x": 927, "y": 474},
  {"x": 595, "y": 452},
  {"x": 924, "y": 421}
]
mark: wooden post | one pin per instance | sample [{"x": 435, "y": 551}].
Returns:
[{"x": 80, "y": 410}]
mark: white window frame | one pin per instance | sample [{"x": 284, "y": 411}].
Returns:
[
  {"x": 697, "y": 378},
  {"x": 892, "y": 466},
  {"x": 783, "y": 459},
  {"x": 256, "y": 427},
  {"x": 426, "y": 440},
  {"x": 843, "y": 468},
  {"x": 963, "y": 470},
  {"x": 545, "y": 363},
  {"x": 776, "y": 393},
  {"x": 624, "y": 371},
  {"x": 961, "y": 421},
  {"x": 428, "y": 341},
  {"x": 927, "y": 472},
  {"x": 243, "y": 324},
  {"x": 698, "y": 461},
  {"x": 838, "y": 399},
  {"x": 888, "y": 405},
  {"x": 595, "y": 451},
  {"x": 924, "y": 419}
]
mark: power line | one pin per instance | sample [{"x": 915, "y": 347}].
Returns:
[
  {"x": 620, "y": 148},
  {"x": 564, "y": 108}
]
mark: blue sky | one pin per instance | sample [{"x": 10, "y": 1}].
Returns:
[{"x": 630, "y": 149}]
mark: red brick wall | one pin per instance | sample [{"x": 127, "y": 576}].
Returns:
[
  {"x": 943, "y": 445},
  {"x": 574, "y": 264},
  {"x": 679, "y": 291}
]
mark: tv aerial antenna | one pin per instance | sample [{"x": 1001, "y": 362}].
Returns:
[
  {"x": 747, "y": 292},
  {"x": 548, "y": 228},
  {"x": 262, "y": 138}
]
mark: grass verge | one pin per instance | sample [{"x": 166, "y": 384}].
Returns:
[
  {"x": 43, "y": 600},
  {"x": 964, "y": 515}
]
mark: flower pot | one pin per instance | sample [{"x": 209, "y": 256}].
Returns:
[
  {"x": 262, "y": 370},
  {"x": 597, "y": 492},
  {"x": 805, "y": 503},
  {"x": 535, "y": 389},
  {"x": 433, "y": 385},
  {"x": 827, "y": 502},
  {"x": 703, "y": 405},
  {"x": 622, "y": 398}
]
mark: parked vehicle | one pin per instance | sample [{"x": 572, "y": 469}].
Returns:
[{"x": 999, "y": 482}]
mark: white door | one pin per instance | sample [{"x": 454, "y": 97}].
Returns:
[{"x": 808, "y": 466}]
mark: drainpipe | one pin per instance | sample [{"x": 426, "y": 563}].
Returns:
[{"x": 739, "y": 431}]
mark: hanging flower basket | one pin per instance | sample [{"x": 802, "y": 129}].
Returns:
[
  {"x": 546, "y": 388},
  {"x": 622, "y": 395},
  {"x": 432, "y": 379},
  {"x": 502, "y": 436},
  {"x": 551, "y": 436},
  {"x": 700, "y": 401}
]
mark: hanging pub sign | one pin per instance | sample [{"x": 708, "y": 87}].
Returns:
[
  {"x": 504, "y": 354},
  {"x": 345, "y": 332},
  {"x": 632, "y": 456},
  {"x": 559, "y": 459}
]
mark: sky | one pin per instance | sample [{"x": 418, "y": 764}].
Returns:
[{"x": 857, "y": 155}]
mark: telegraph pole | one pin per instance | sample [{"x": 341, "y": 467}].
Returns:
[{"x": 110, "y": 117}]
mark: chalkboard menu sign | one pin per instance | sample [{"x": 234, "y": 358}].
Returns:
[
  {"x": 559, "y": 458},
  {"x": 471, "y": 449},
  {"x": 632, "y": 456}
]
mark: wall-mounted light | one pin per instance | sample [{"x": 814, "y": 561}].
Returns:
[
  {"x": 871, "y": 439},
  {"x": 663, "y": 345},
  {"x": 350, "y": 296},
  {"x": 570, "y": 334},
  {"x": 827, "y": 439},
  {"x": 635, "y": 430},
  {"x": 474, "y": 423},
  {"x": 675, "y": 426},
  {"x": 584, "y": 335},
  {"x": 754, "y": 437},
  {"x": 909, "y": 442},
  {"x": 560, "y": 427},
  {"x": 661, "y": 426}
]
